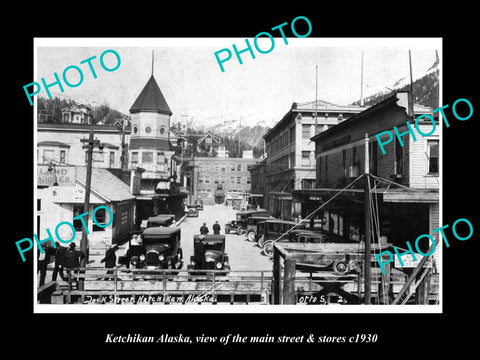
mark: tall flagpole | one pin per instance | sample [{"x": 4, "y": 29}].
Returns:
[
  {"x": 411, "y": 82},
  {"x": 316, "y": 99},
  {"x": 361, "y": 83}
]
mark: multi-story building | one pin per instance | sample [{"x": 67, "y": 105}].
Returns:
[
  {"x": 221, "y": 180},
  {"x": 61, "y": 143},
  {"x": 405, "y": 179},
  {"x": 290, "y": 162}
]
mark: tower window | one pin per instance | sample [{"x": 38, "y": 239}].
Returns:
[
  {"x": 148, "y": 129},
  {"x": 135, "y": 129},
  {"x": 162, "y": 130}
]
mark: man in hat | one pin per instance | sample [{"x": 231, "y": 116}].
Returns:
[
  {"x": 73, "y": 257},
  {"x": 216, "y": 228},
  {"x": 59, "y": 261},
  {"x": 204, "y": 229},
  {"x": 110, "y": 259}
]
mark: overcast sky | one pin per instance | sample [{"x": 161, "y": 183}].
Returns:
[{"x": 261, "y": 89}]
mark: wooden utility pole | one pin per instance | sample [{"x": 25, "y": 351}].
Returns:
[
  {"x": 316, "y": 99},
  {"x": 368, "y": 271},
  {"x": 90, "y": 143}
]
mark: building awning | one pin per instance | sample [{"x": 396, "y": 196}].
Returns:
[{"x": 54, "y": 144}]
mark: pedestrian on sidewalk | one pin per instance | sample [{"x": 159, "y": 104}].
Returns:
[
  {"x": 204, "y": 229},
  {"x": 216, "y": 228},
  {"x": 59, "y": 262},
  {"x": 72, "y": 258},
  {"x": 110, "y": 259}
]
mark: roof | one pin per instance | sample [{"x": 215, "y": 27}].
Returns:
[
  {"x": 53, "y": 143},
  {"x": 322, "y": 106},
  {"x": 105, "y": 184},
  {"x": 150, "y": 143},
  {"x": 76, "y": 127},
  {"x": 395, "y": 100},
  {"x": 151, "y": 99},
  {"x": 161, "y": 230},
  {"x": 281, "y": 221}
]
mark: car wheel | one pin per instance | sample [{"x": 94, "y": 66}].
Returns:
[
  {"x": 261, "y": 240},
  {"x": 267, "y": 249},
  {"x": 227, "y": 231},
  {"x": 340, "y": 267},
  {"x": 240, "y": 230},
  {"x": 251, "y": 236}
]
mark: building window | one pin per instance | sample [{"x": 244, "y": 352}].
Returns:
[
  {"x": 135, "y": 129},
  {"x": 326, "y": 168},
  {"x": 292, "y": 135},
  {"x": 112, "y": 159},
  {"x": 39, "y": 204},
  {"x": 239, "y": 167},
  {"x": 232, "y": 180},
  {"x": 162, "y": 130},
  {"x": 161, "y": 160},
  {"x": 249, "y": 180},
  {"x": 98, "y": 156},
  {"x": 344, "y": 162},
  {"x": 306, "y": 133},
  {"x": 62, "y": 156},
  {"x": 292, "y": 159},
  {"x": 232, "y": 167},
  {"x": 147, "y": 157},
  {"x": 398, "y": 158},
  {"x": 208, "y": 140},
  {"x": 48, "y": 155},
  {"x": 433, "y": 156},
  {"x": 207, "y": 180},
  {"x": 306, "y": 158},
  {"x": 319, "y": 169},
  {"x": 148, "y": 129},
  {"x": 239, "y": 180},
  {"x": 100, "y": 217},
  {"x": 134, "y": 159}
]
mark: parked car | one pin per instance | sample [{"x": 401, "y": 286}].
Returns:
[
  {"x": 273, "y": 229},
  {"x": 160, "y": 249},
  {"x": 192, "y": 210},
  {"x": 199, "y": 204},
  {"x": 160, "y": 220},
  {"x": 252, "y": 227},
  {"x": 209, "y": 253},
  {"x": 299, "y": 236},
  {"x": 239, "y": 225}
]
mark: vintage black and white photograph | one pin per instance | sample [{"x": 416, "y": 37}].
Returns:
[{"x": 303, "y": 173}]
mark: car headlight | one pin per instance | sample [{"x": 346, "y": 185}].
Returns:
[
  {"x": 161, "y": 258},
  {"x": 134, "y": 261},
  {"x": 218, "y": 265},
  {"x": 142, "y": 257}
]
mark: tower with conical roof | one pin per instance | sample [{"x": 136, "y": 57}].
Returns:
[{"x": 150, "y": 147}]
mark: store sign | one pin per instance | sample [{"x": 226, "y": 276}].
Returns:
[{"x": 63, "y": 175}]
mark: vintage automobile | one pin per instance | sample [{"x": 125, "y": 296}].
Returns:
[
  {"x": 338, "y": 256},
  {"x": 160, "y": 249},
  {"x": 199, "y": 204},
  {"x": 192, "y": 210},
  {"x": 252, "y": 227},
  {"x": 299, "y": 236},
  {"x": 160, "y": 220},
  {"x": 209, "y": 253},
  {"x": 239, "y": 225},
  {"x": 273, "y": 229}
]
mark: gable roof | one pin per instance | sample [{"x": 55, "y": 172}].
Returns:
[
  {"x": 105, "y": 184},
  {"x": 151, "y": 99}
]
